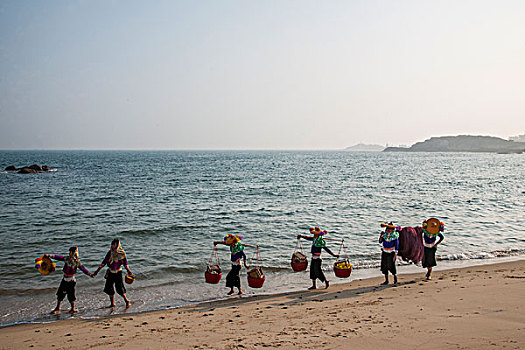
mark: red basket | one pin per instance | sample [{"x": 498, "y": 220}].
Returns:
[
  {"x": 212, "y": 278},
  {"x": 215, "y": 262},
  {"x": 300, "y": 266},
  {"x": 343, "y": 255},
  {"x": 256, "y": 282},
  {"x": 255, "y": 263},
  {"x": 343, "y": 273}
]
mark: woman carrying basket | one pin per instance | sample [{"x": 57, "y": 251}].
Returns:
[
  {"x": 68, "y": 283},
  {"x": 115, "y": 259},
  {"x": 432, "y": 229},
  {"x": 233, "y": 279},
  {"x": 318, "y": 245}
]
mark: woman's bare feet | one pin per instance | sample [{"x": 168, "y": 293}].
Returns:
[
  {"x": 126, "y": 300},
  {"x": 110, "y": 306},
  {"x": 55, "y": 311},
  {"x": 72, "y": 311},
  {"x": 231, "y": 292},
  {"x": 312, "y": 287}
]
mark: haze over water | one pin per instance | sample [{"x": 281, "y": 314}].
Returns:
[{"x": 167, "y": 207}]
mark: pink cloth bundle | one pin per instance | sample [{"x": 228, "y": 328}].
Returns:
[{"x": 411, "y": 244}]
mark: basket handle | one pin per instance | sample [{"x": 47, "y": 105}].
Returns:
[
  {"x": 214, "y": 254},
  {"x": 299, "y": 245},
  {"x": 343, "y": 249},
  {"x": 257, "y": 257}
]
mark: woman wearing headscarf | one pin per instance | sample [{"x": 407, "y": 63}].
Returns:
[
  {"x": 431, "y": 229},
  {"x": 115, "y": 259},
  {"x": 233, "y": 279},
  {"x": 68, "y": 283},
  {"x": 318, "y": 244},
  {"x": 389, "y": 240}
]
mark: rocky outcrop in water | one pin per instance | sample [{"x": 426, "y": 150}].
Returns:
[{"x": 31, "y": 169}]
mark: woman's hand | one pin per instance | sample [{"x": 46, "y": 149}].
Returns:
[{"x": 299, "y": 236}]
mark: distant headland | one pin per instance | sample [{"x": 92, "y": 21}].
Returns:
[
  {"x": 365, "y": 148},
  {"x": 463, "y": 143}
]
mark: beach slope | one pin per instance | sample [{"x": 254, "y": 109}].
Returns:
[{"x": 476, "y": 307}]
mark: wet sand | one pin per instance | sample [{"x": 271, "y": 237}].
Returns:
[{"x": 478, "y": 307}]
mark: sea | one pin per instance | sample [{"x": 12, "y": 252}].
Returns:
[{"x": 167, "y": 208}]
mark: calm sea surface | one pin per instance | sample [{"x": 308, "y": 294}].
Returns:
[{"x": 168, "y": 207}]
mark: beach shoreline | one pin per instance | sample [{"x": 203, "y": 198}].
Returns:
[
  {"x": 359, "y": 273},
  {"x": 459, "y": 308}
]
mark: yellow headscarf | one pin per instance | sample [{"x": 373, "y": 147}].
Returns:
[
  {"x": 73, "y": 260},
  {"x": 117, "y": 254}
]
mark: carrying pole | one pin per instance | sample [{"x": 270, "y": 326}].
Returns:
[{"x": 334, "y": 239}]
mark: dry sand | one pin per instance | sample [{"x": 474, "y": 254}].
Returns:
[{"x": 480, "y": 307}]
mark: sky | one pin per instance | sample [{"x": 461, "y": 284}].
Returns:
[{"x": 271, "y": 75}]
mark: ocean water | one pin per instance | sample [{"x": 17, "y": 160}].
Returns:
[{"x": 167, "y": 207}]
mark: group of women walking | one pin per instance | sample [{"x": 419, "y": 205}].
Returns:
[
  {"x": 389, "y": 239},
  {"x": 115, "y": 259},
  {"x": 431, "y": 230}
]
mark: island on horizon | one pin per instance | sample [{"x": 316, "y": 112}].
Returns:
[
  {"x": 361, "y": 147},
  {"x": 463, "y": 143}
]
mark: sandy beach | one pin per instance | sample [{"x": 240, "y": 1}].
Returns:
[{"x": 477, "y": 307}]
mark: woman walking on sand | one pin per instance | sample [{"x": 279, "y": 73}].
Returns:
[
  {"x": 68, "y": 283},
  {"x": 115, "y": 259},
  {"x": 318, "y": 244},
  {"x": 432, "y": 228},
  {"x": 233, "y": 279},
  {"x": 390, "y": 246}
]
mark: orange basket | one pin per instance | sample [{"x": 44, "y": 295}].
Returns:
[{"x": 129, "y": 279}]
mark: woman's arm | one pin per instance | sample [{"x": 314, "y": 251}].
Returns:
[
  {"x": 96, "y": 271},
  {"x": 83, "y": 269},
  {"x": 219, "y": 242},
  {"x": 125, "y": 263},
  {"x": 330, "y": 252},
  {"x": 305, "y": 237},
  {"x": 244, "y": 260},
  {"x": 104, "y": 262},
  {"x": 56, "y": 257}
]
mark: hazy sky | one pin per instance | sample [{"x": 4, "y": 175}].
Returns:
[{"x": 258, "y": 74}]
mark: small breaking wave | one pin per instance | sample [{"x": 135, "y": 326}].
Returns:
[{"x": 159, "y": 231}]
